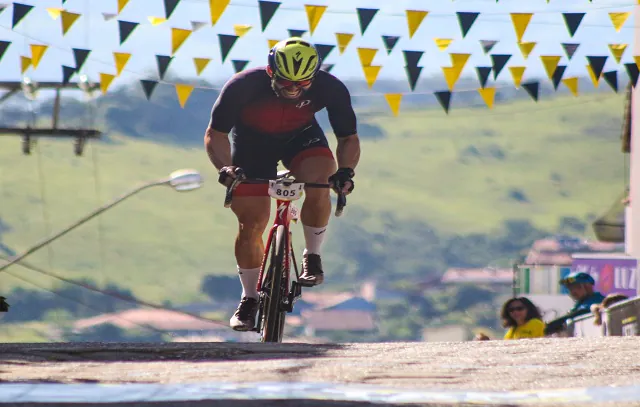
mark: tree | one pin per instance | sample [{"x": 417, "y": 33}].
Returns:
[{"x": 221, "y": 288}]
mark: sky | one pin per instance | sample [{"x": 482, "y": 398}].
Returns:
[{"x": 91, "y": 31}]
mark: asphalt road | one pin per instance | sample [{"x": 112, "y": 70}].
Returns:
[{"x": 603, "y": 371}]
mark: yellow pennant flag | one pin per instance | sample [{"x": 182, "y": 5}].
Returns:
[
  {"x": 592, "y": 76},
  {"x": 184, "y": 91},
  {"x": 550, "y": 63},
  {"x": 201, "y": 64},
  {"x": 122, "y": 4},
  {"x": 272, "y": 43},
  {"x": 451, "y": 75},
  {"x": 217, "y": 8},
  {"x": 366, "y": 55},
  {"x": 617, "y": 50},
  {"x": 371, "y": 74},
  {"x": 54, "y": 12},
  {"x": 394, "y": 100},
  {"x": 157, "y": 20},
  {"x": 37, "y": 52},
  {"x": 637, "y": 59},
  {"x": 526, "y": 48},
  {"x": 459, "y": 60},
  {"x": 67, "y": 20},
  {"x": 178, "y": 37},
  {"x": 618, "y": 19},
  {"x": 121, "y": 59},
  {"x": 241, "y": 29},
  {"x": 488, "y": 95},
  {"x": 520, "y": 23},
  {"x": 314, "y": 14},
  {"x": 105, "y": 81},
  {"x": 414, "y": 19},
  {"x": 25, "y": 63},
  {"x": 343, "y": 40},
  {"x": 443, "y": 43},
  {"x": 516, "y": 73},
  {"x": 572, "y": 84}
]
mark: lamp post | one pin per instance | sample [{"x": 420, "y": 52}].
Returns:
[{"x": 180, "y": 180}]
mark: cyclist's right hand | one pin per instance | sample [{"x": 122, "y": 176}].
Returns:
[{"x": 227, "y": 174}]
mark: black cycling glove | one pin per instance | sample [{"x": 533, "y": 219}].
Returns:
[
  {"x": 341, "y": 177},
  {"x": 228, "y": 172}
]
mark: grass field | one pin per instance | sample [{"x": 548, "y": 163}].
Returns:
[{"x": 456, "y": 172}]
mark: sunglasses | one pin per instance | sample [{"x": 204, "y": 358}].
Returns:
[
  {"x": 288, "y": 84},
  {"x": 516, "y": 309}
]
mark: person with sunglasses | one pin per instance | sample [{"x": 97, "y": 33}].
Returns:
[
  {"x": 522, "y": 318},
  {"x": 270, "y": 112}
]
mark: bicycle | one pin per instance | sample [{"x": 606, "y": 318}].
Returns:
[{"x": 277, "y": 293}]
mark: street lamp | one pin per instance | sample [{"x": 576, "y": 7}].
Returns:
[{"x": 180, "y": 180}]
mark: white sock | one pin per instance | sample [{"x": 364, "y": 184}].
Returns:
[
  {"x": 313, "y": 238},
  {"x": 249, "y": 281}
]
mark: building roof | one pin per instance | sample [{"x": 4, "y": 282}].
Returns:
[
  {"x": 339, "y": 320},
  {"x": 162, "y": 320},
  {"x": 477, "y": 275}
]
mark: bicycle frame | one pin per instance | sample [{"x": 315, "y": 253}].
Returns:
[{"x": 283, "y": 217}]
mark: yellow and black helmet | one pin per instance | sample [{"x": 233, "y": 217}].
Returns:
[{"x": 294, "y": 59}]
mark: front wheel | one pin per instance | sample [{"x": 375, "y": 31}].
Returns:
[{"x": 274, "y": 313}]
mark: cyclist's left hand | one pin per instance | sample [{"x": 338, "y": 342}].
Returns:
[{"x": 342, "y": 181}]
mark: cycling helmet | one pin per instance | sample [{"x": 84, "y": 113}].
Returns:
[
  {"x": 294, "y": 59},
  {"x": 577, "y": 277}
]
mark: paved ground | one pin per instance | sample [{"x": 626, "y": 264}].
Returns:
[{"x": 522, "y": 371}]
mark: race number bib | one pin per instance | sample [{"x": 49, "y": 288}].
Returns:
[{"x": 286, "y": 192}]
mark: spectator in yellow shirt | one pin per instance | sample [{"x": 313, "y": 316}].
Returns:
[{"x": 522, "y": 318}]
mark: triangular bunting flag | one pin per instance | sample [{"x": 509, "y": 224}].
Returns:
[
  {"x": 183, "y": 91},
  {"x": 499, "y": 61},
  {"x": 570, "y": 49},
  {"x": 466, "y": 20},
  {"x": 444, "y": 98},
  {"x": 343, "y": 40},
  {"x": 67, "y": 73},
  {"x": 618, "y": 19},
  {"x": 532, "y": 89},
  {"x": 196, "y": 25},
  {"x": 572, "y": 21},
  {"x": 617, "y": 50},
  {"x": 54, "y": 12},
  {"x": 637, "y": 60},
  {"x": 25, "y": 63},
  {"x": 4, "y": 6},
  {"x": 365, "y": 16},
  {"x": 272, "y": 43},
  {"x": 389, "y": 42},
  {"x": 126, "y": 28},
  {"x": 67, "y": 20},
  {"x": 241, "y": 29},
  {"x": 572, "y": 84},
  {"x": 156, "y": 20},
  {"x": 443, "y": 43},
  {"x": 414, "y": 19},
  {"x": 451, "y": 76},
  {"x": 121, "y": 5},
  {"x": 597, "y": 64},
  {"x": 488, "y": 95},
  {"x": 483, "y": 73},
  {"x": 314, "y": 15},
  {"x": 80, "y": 56},
  {"x": 632, "y": 71},
  {"x": 459, "y": 61},
  {"x": 487, "y": 45},
  {"x": 37, "y": 52},
  {"x": 526, "y": 48},
  {"x": 121, "y": 59},
  {"x": 520, "y": 23},
  {"x": 557, "y": 76},
  {"x": 178, "y": 37},
  {"x": 217, "y": 8},
  {"x": 226, "y": 43},
  {"x": 611, "y": 78},
  {"x": 267, "y": 11},
  {"x": 201, "y": 64},
  {"x": 413, "y": 74},
  {"x": 4, "y": 45},
  {"x": 326, "y": 67},
  {"x": 550, "y": 63},
  {"x": 394, "y": 100},
  {"x": 19, "y": 12},
  {"x": 371, "y": 74},
  {"x": 109, "y": 16},
  {"x": 239, "y": 65},
  {"x": 163, "y": 64},
  {"x": 594, "y": 79},
  {"x": 296, "y": 33},
  {"x": 412, "y": 58},
  {"x": 516, "y": 73},
  {"x": 148, "y": 86},
  {"x": 169, "y": 7},
  {"x": 324, "y": 50},
  {"x": 105, "y": 82},
  {"x": 366, "y": 55}
]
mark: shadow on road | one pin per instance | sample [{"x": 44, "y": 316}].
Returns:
[{"x": 251, "y": 403}]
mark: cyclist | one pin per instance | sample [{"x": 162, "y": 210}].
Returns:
[{"x": 271, "y": 111}]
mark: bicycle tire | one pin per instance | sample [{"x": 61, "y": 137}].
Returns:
[{"x": 274, "y": 315}]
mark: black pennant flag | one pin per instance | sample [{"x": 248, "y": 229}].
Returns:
[
  {"x": 239, "y": 65},
  {"x": 267, "y": 10},
  {"x": 226, "y": 43},
  {"x": 296, "y": 33},
  {"x": 611, "y": 78},
  {"x": 80, "y": 56},
  {"x": 444, "y": 98},
  {"x": 483, "y": 74},
  {"x": 67, "y": 73},
  {"x": 632, "y": 71},
  {"x": 148, "y": 87},
  {"x": 532, "y": 89},
  {"x": 365, "y": 15},
  {"x": 163, "y": 64},
  {"x": 572, "y": 20},
  {"x": 3, "y": 48},
  {"x": 499, "y": 61},
  {"x": 125, "y": 28},
  {"x": 487, "y": 45},
  {"x": 557, "y": 76},
  {"x": 389, "y": 42},
  {"x": 570, "y": 49},
  {"x": 466, "y": 20},
  {"x": 4, "y": 6},
  {"x": 413, "y": 74},
  {"x": 19, "y": 11},
  {"x": 326, "y": 67},
  {"x": 597, "y": 64},
  {"x": 412, "y": 58},
  {"x": 324, "y": 50},
  {"x": 169, "y": 6}
]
